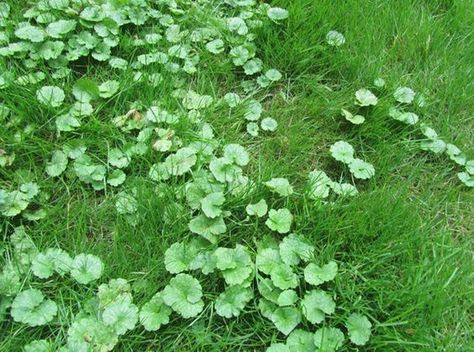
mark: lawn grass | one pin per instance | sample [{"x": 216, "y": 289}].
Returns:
[{"x": 404, "y": 244}]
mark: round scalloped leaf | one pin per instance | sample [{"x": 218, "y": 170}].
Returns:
[
  {"x": 283, "y": 277},
  {"x": 178, "y": 257},
  {"x": 301, "y": 341},
  {"x": 237, "y": 154},
  {"x": 267, "y": 259},
  {"x": 466, "y": 178},
  {"x": 26, "y": 31},
  {"x": 359, "y": 328},
  {"x": 280, "y": 185},
  {"x": 29, "y": 307},
  {"x": 232, "y": 301},
  {"x": 277, "y": 13},
  {"x": 39, "y": 346},
  {"x": 215, "y": 46},
  {"x": 258, "y": 209},
  {"x": 207, "y": 228},
  {"x": 328, "y": 339},
  {"x": 455, "y": 154},
  {"x": 273, "y": 75},
  {"x": 155, "y": 313},
  {"x": 287, "y": 298},
  {"x": 342, "y": 151},
  {"x": 316, "y": 275},
  {"x": 87, "y": 334},
  {"x": 279, "y": 220},
  {"x": 355, "y": 119},
  {"x": 286, "y": 319},
  {"x": 183, "y": 294},
  {"x": 269, "y": 124},
  {"x": 404, "y": 95},
  {"x": 86, "y": 268},
  {"x": 361, "y": 169},
  {"x": 121, "y": 315},
  {"x": 58, "y": 164},
  {"x": 50, "y": 261},
  {"x": 51, "y": 96},
  {"x": 334, "y": 38},
  {"x": 211, "y": 204},
  {"x": 294, "y": 248},
  {"x": 365, "y": 97},
  {"x": 316, "y": 304}
]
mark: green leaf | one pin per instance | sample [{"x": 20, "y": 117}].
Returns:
[
  {"x": 286, "y": 319},
  {"x": 116, "y": 178},
  {"x": 211, "y": 204},
  {"x": 404, "y": 95},
  {"x": 85, "y": 90},
  {"x": 118, "y": 159},
  {"x": 113, "y": 291},
  {"x": 267, "y": 259},
  {"x": 455, "y": 154},
  {"x": 280, "y": 185},
  {"x": 215, "y": 46},
  {"x": 319, "y": 184},
  {"x": 359, "y": 328},
  {"x": 121, "y": 315},
  {"x": 316, "y": 304},
  {"x": 328, "y": 339},
  {"x": 232, "y": 301},
  {"x": 342, "y": 151},
  {"x": 178, "y": 257},
  {"x": 59, "y": 28},
  {"x": 181, "y": 162},
  {"x": 89, "y": 334},
  {"x": 39, "y": 346},
  {"x": 237, "y": 154},
  {"x": 277, "y": 13},
  {"x": 334, "y": 38},
  {"x": 301, "y": 341},
  {"x": 279, "y": 220},
  {"x": 29, "y": 307},
  {"x": 269, "y": 124},
  {"x": 183, "y": 294},
  {"x": 273, "y": 75},
  {"x": 108, "y": 88},
  {"x": 240, "y": 54},
  {"x": 316, "y": 275},
  {"x": 365, "y": 97},
  {"x": 294, "y": 248},
  {"x": 466, "y": 178},
  {"x": 224, "y": 170},
  {"x": 57, "y": 165},
  {"x": 253, "y": 110},
  {"x": 361, "y": 169},
  {"x": 155, "y": 313},
  {"x": 283, "y": 277},
  {"x": 207, "y": 227},
  {"x": 67, "y": 123},
  {"x": 195, "y": 101},
  {"x": 235, "y": 264},
  {"x": 26, "y": 31},
  {"x": 50, "y": 261},
  {"x": 355, "y": 119},
  {"x": 50, "y": 96},
  {"x": 287, "y": 298},
  {"x": 258, "y": 209},
  {"x": 86, "y": 268}
]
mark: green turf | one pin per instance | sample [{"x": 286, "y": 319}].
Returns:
[{"x": 404, "y": 245}]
